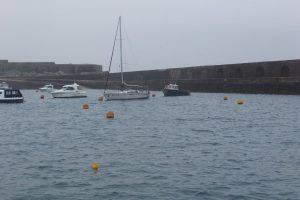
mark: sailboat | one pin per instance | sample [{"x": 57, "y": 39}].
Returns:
[{"x": 126, "y": 91}]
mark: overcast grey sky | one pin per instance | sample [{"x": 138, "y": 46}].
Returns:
[{"x": 157, "y": 33}]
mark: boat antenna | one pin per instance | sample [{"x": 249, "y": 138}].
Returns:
[
  {"x": 112, "y": 54},
  {"x": 121, "y": 58}
]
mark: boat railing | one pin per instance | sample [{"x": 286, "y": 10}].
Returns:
[{"x": 135, "y": 87}]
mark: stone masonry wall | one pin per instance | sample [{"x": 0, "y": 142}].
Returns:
[
  {"x": 275, "y": 77},
  {"x": 45, "y": 68}
]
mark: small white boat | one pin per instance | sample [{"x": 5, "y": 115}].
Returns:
[
  {"x": 47, "y": 88},
  {"x": 4, "y": 85},
  {"x": 69, "y": 91}
]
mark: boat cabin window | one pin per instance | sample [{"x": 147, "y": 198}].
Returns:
[
  {"x": 172, "y": 86},
  {"x": 12, "y": 93},
  {"x": 70, "y": 88}
]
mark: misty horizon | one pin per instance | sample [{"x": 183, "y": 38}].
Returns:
[{"x": 157, "y": 35}]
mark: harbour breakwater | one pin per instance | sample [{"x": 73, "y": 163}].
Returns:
[
  {"x": 272, "y": 77},
  {"x": 25, "y": 69}
]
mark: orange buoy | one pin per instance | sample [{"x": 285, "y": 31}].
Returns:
[
  {"x": 110, "y": 115},
  {"x": 85, "y": 106},
  {"x": 225, "y": 97},
  {"x": 95, "y": 166},
  {"x": 240, "y": 101},
  {"x": 100, "y": 98}
]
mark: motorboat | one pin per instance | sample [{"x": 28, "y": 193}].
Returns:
[
  {"x": 47, "y": 88},
  {"x": 173, "y": 90},
  {"x": 126, "y": 91},
  {"x": 9, "y": 95},
  {"x": 69, "y": 91}
]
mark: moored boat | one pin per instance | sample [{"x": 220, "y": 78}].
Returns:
[
  {"x": 126, "y": 92},
  {"x": 47, "y": 88},
  {"x": 4, "y": 85},
  {"x": 9, "y": 95},
  {"x": 173, "y": 90},
  {"x": 69, "y": 91}
]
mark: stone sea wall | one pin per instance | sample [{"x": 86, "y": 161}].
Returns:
[
  {"x": 45, "y": 68},
  {"x": 274, "y": 77}
]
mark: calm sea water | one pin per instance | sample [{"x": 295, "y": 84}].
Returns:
[{"x": 197, "y": 147}]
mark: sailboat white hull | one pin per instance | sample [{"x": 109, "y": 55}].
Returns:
[
  {"x": 69, "y": 94},
  {"x": 126, "y": 95}
]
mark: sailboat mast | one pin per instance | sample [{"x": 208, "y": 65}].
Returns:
[
  {"x": 121, "y": 57},
  {"x": 111, "y": 57}
]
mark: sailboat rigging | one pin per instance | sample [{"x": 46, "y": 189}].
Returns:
[{"x": 126, "y": 91}]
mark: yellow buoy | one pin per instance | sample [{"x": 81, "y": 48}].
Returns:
[
  {"x": 95, "y": 166},
  {"x": 110, "y": 115},
  {"x": 85, "y": 106},
  {"x": 225, "y": 97},
  {"x": 240, "y": 101},
  {"x": 100, "y": 98}
]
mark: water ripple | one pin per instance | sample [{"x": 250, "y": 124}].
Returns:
[{"x": 197, "y": 147}]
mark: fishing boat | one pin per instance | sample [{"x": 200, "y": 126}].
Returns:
[
  {"x": 9, "y": 95},
  {"x": 126, "y": 91},
  {"x": 47, "y": 88},
  {"x": 173, "y": 90},
  {"x": 69, "y": 91}
]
